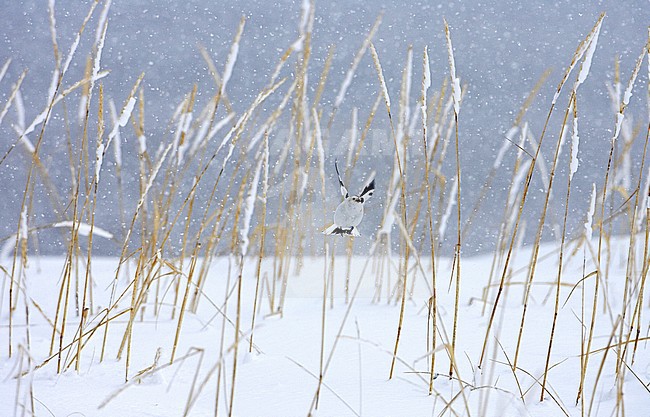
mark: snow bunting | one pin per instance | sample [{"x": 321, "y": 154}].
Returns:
[{"x": 349, "y": 213}]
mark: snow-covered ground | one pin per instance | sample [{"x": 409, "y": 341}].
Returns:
[{"x": 280, "y": 376}]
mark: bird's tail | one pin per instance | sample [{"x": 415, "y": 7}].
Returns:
[{"x": 342, "y": 231}]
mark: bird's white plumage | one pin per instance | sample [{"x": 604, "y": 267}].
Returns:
[{"x": 349, "y": 213}]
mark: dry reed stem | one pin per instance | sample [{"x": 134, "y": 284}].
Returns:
[
  {"x": 349, "y": 75},
  {"x": 265, "y": 187},
  {"x": 538, "y": 236},
  {"x": 572, "y": 105},
  {"x": 456, "y": 262},
  {"x": 619, "y": 119},
  {"x": 493, "y": 171},
  {"x": 384, "y": 90},
  {"x": 579, "y": 52}
]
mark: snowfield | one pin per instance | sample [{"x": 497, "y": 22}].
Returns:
[{"x": 279, "y": 377}]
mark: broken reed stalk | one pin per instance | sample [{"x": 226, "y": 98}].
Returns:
[{"x": 576, "y": 56}]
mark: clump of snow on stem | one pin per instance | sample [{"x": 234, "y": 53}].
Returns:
[
  {"x": 590, "y": 214},
  {"x": 426, "y": 83},
  {"x": 232, "y": 56},
  {"x": 575, "y": 142},
  {"x": 125, "y": 115},
  {"x": 589, "y": 55},
  {"x": 142, "y": 144},
  {"x": 319, "y": 144},
  {"x": 447, "y": 214},
  {"x": 627, "y": 95},
  {"x": 117, "y": 146},
  {"x": 577, "y": 56},
  {"x": 99, "y": 160},
  {"x": 250, "y": 207},
  {"x": 353, "y": 135},
  {"x": 23, "y": 225}
]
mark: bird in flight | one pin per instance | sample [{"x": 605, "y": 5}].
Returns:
[{"x": 349, "y": 213}]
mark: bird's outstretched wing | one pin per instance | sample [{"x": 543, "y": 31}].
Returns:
[
  {"x": 368, "y": 190},
  {"x": 344, "y": 191}
]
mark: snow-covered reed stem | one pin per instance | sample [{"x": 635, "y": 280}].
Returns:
[
  {"x": 3, "y": 70},
  {"x": 123, "y": 119},
  {"x": 393, "y": 198},
  {"x": 457, "y": 96},
  {"x": 117, "y": 145},
  {"x": 619, "y": 121},
  {"x": 83, "y": 229},
  {"x": 588, "y": 226},
  {"x": 349, "y": 75},
  {"x": 202, "y": 135},
  {"x": 580, "y": 50},
  {"x": 455, "y": 81},
  {"x": 451, "y": 202},
  {"x": 232, "y": 57},
  {"x": 433, "y": 301},
  {"x": 320, "y": 150},
  {"x": 265, "y": 190},
  {"x": 249, "y": 208},
  {"x": 380, "y": 74},
  {"x": 99, "y": 151},
  {"x": 584, "y": 46},
  {"x": 353, "y": 138},
  {"x": 127, "y": 238},
  {"x": 405, "y": 97},
  {"x": 14, "y": 92},
  {"x": 575, "y": 141},
  {"x": 272, "y": 120}
]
